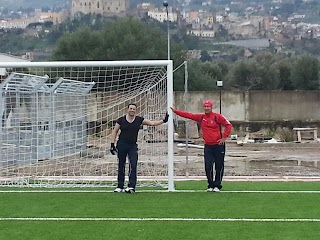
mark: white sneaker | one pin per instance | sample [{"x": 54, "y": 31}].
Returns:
[
  {"x": 118, "y": 190},
  {"x": 130, "y": 190},
  {"x": 210, "y": 189},
  {"x": 216, "y": 189}
]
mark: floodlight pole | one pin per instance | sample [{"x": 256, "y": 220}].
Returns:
[
  {"x": 165, "y": 4},
  {"x": 220, "y": 85}
]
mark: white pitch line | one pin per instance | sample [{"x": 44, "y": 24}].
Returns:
[
  {"x": 170, "y": 219},
  {"x": 155, "y": 191}
]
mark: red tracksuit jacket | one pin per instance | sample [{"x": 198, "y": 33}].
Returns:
[{"x": 210, "y": 125}]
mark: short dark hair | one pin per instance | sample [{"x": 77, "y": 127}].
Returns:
[{"x": 132, "y": 104}]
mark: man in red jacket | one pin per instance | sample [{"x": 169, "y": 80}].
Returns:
[{"x": 214, "y": 138}]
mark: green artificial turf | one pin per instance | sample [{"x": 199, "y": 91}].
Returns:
[{"x": 230, "y": 214}]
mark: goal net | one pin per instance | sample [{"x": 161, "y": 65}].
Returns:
[{"x": 57, "y": 119}]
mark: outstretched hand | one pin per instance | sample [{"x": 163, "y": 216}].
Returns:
[
  {"x": 113, "y": 149},
  {"x": 166, "y": 118}
]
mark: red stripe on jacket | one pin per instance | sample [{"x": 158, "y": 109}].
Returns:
[{"x": 210, "y": 125}]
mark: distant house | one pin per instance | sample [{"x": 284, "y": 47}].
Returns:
[
  {"x": 161, "y": 15},
  {"x": 202, "y": 33}
]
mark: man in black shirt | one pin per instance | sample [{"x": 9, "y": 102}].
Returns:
[{"x": 129, "y": 126}]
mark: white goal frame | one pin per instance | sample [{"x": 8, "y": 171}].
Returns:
[{"x": 138, "y": 63}]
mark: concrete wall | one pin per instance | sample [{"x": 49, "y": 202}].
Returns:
[
  {"x": 284, "y": 105},
  {"x": 237, "y": 106},
  {"x": 257, "y": 105},
  {"x": 232, "y": 104}
]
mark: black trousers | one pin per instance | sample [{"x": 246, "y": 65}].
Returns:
[
  {"x": 131, "y": 151},
  {"x": 214, "y": 155}
]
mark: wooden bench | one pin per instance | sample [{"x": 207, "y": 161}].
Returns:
[{"x": 300, "y": 130}]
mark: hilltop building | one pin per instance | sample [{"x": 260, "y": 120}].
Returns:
[{"x": 106, "y": 8}]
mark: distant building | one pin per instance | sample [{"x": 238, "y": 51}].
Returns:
[
  {"x": 219, "y": 18},
  {"x": 143, "y": 9},
  {"x": 103, "y": 7},
  {"x": 38, "y": 17},
  {"x": 192, "y": 16},
  {"x": 161, "y": 15},
  {"x": 202, "y": 33},
  {"x": 55, "y": 17},
  {"x": 16, "y": 23}
]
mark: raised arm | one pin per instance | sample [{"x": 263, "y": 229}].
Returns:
[
  {"x": 156, "y": 123},
  {"x": 193, "y": 116}
]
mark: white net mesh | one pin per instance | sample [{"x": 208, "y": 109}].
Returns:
[{"x": 57, "y": 121}]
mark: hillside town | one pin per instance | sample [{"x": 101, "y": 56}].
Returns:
[
  {"x": 255, "y": 21},
  {"x": 202, "y": 23}
]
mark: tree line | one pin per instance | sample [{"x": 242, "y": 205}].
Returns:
[
  {"x": 133, "y": 39},
  {"x": 265, "y": 71}
]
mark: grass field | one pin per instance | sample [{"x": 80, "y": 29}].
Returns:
[{"x": 243, "y": 210}]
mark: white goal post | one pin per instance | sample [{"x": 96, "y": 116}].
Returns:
[{"x": 57, "y": 118}]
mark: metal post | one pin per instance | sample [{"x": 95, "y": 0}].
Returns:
[
  {"x": 220, "y": 85},
  {"x": 220, "y": 102},
  {"x": 165, "y": 4},
  {"x": 186, "y": 109},
  {"x": 170, "y": 127}
]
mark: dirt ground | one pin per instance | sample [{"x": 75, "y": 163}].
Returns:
[{"x": 256, "y": 159}]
